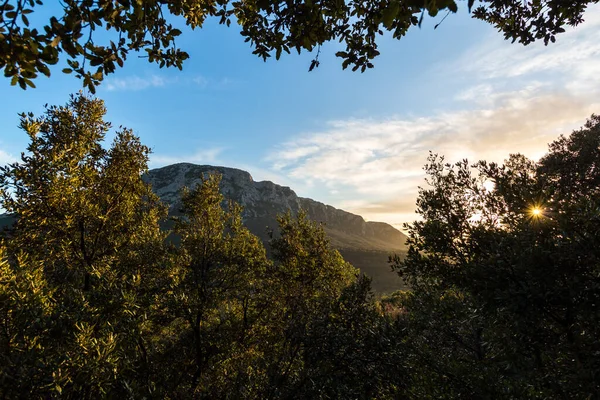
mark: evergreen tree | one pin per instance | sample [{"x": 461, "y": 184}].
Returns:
[
  {"x": 85, "y": 215},
  {"x": 307, "y": 277},
  {"x": 214, "y": 300},
  {"x": 96, "y": 302},
  {"x": 505, "y": 288}
]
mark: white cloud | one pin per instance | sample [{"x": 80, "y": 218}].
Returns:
[
  {"x": 519, "y": 100},
  {"x": 576, "y": 54},
  {"x": 476, "y": 92},
  {"x": 6, "y": 158},
  {"x": 136, "y": 82},
  {"x": 200, "y": 81},
  {"x": 382, "y": 160}
]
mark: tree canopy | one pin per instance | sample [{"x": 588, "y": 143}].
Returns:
[
  {"x": 97, "y": 301},
  {"x": 505, "y": 277},
  {"x": 86, "y": 238},
  {"x": 29, "y": 45}
]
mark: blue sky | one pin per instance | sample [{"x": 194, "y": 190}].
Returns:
[{"x": 355, "y": 141}]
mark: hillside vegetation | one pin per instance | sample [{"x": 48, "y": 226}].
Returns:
[
  {"x": 366, "y": 245},
  {"x": 97, "y": 302}
]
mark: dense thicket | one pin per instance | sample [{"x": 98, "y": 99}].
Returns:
[
  {"x": 87, "y": 238},
  {"x": 505, "y": 272},
  {"x": 96, "y": 301}
]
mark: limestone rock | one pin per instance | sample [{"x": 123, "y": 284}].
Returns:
[{"x": 263, "y": 201}]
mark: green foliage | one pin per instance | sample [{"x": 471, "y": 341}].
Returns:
[
  {"x": 351, "y": 351},
  {"x": 215, "y": 299},
  {"x": 307, "y": 276},
  {"x": 505, "y": 299},
  {"x": 271, "y": 27},
  {"x": 303, "y": 255},
  {"x": 528, "y": 22},
  {"x": 240, "y": 325},
  {"x": 27, "y": 307},
  {"x": 95, "y": 302},
  {"x": 90, "y": 226}
]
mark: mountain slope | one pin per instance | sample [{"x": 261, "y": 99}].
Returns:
[
  {"x": 366, "y": 245},
  {"x": 263, "y": 201}
]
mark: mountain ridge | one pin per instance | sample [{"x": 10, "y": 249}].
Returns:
[
  {"x": 264, "y": 200},
  {"x": 365, "y": 244}
]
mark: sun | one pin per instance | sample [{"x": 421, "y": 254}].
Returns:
[{"x": 536, "y": 211}]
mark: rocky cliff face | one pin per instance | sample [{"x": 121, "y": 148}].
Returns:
[
  {"x": 366, "y": 245},
  {"x": 263, "y": 201}
]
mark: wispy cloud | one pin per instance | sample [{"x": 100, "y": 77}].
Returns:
[
  {"x": 136, "y": 82},
  {"x": 6, "y": 158},
  {"x": 576, "y": 52},
  {"x": 519, "y": 100},
  {"x": 200, "y": 81},
  {"x": 211, "y": 83},
  {"x": 380, "y": 161}
]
